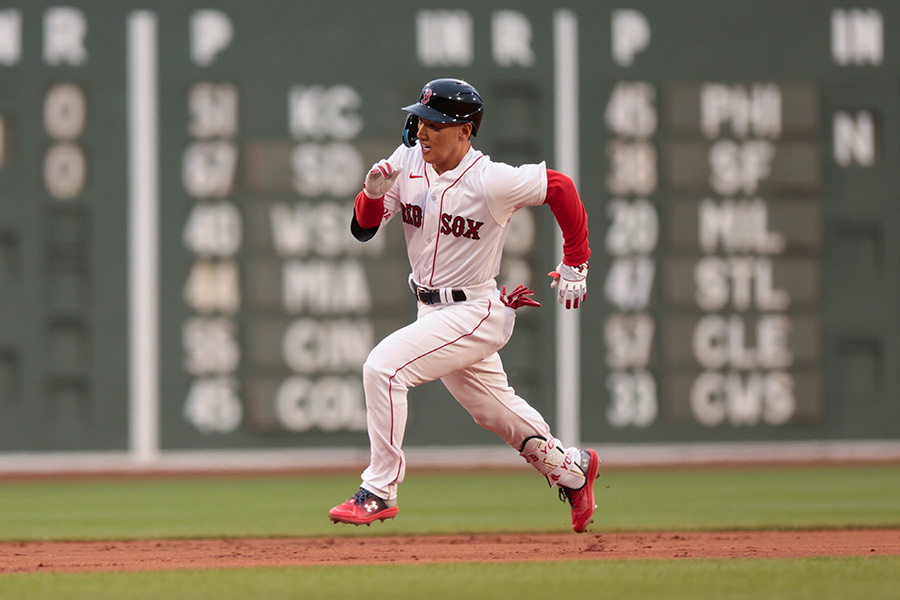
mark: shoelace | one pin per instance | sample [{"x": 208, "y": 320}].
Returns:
[
  {"x": 361, "y": 496},
  {"x": 564, "y": 495}
]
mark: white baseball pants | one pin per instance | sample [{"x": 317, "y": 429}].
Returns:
[{"x": 456, "y": 343}]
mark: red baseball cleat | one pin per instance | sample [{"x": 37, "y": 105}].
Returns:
[
  {"x": 362, "y": 509},
  {"x": 582, "y": 499}
]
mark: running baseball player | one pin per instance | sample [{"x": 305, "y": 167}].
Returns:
[{"x": 455, "y": 204}]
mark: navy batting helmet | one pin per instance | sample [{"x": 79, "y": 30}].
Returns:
[{"x": 444, "y": 101}]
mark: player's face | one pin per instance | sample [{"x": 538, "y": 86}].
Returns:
[{"x": 443, "y": 144}]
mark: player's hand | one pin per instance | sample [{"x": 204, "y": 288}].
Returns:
[
  {"x": 571, "y": 283},
  {"x": 381, "y": 179},
  {"x": 518, "y": 297}
]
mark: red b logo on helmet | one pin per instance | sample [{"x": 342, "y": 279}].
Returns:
[{"x": 426, "y": 95}]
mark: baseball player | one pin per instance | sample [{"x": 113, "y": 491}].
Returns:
[{"x": 455, "y": 204}]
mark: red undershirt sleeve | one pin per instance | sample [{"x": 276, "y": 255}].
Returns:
[
  {"x": 570, "y": 215},
  {"x": 369, "y": 212}
]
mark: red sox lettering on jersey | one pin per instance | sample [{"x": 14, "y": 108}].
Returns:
[
  {"x": 460, "y": 226},
  {"x": 411, "y": 214},
  {"x": 450, "y": 225}
]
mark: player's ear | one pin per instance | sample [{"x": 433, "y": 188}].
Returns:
[{"x": 465, "y": 131}]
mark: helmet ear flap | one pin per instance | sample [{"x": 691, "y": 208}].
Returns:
[{"x": 410, "y": 130}]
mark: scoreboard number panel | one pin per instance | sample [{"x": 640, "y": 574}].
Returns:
[{"x": 733, "y": 187}]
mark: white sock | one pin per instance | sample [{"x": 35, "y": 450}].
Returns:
[{"x": 558, "y": 464}]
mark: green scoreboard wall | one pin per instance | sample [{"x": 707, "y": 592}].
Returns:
[{"x": 176, "y": 181}]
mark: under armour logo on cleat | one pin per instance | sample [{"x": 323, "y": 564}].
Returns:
[{"x": 371, "y": 506}]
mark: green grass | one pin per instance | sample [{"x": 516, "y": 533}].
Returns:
[
  {"x": 451, "y": 502},
  {"x": 489, "y": 502},
  {"x": 872, "y": 578}
]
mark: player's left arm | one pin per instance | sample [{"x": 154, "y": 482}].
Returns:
[{"x": 570, "y": 276}]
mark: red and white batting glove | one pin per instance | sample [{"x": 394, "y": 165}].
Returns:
[
  {"x": 518, "y": 297},
  {"x": 381, "y": 179},
  {"x": 571, "y": 283}
]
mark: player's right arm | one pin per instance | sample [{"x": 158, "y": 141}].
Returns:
[{"x": 368, "y": 209}]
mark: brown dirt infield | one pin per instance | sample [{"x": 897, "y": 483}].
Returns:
[{"x": 142, "y": 555}]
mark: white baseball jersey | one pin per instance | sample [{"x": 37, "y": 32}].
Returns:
[{"x": 456, "y": 223}]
